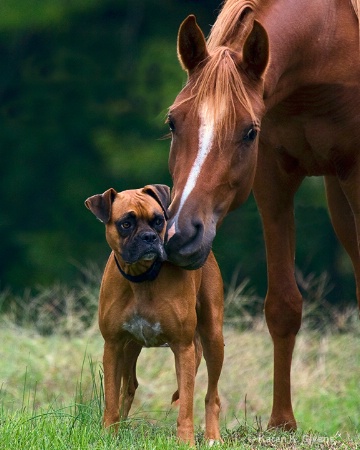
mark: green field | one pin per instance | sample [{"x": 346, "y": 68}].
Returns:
[
  {"x": 51, "y": 394},
  {"x": 51, "y": 390}
]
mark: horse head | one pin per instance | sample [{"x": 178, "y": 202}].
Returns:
[{"x": 215, "y": 123}]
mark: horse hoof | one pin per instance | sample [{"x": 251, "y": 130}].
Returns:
[{"x": 285, "y": 425}]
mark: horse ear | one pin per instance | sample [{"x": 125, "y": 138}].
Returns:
[
  {"x": 256, "y": 51},
  {"x": 161, "y": 193},
  {"x": 191, "y": 44},
  {"x": 100, "y": 204}
]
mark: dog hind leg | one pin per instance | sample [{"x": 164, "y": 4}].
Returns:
[
  {"x": 210, "y": 323},
  {"x": 185, "y": 372}
]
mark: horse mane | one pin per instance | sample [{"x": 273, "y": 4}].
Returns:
[
  {"x": 230, "y": 22},
  {"x": 356, "y": 6},
  {"x": 220, "y": 87}
]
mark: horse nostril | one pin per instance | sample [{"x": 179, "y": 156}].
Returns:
[
  {"x": 190, "y": 239},
  {"x": 198, "y": 230},
  {"x": 189, "y": 243},
  {"x": 149, "y": 237}
]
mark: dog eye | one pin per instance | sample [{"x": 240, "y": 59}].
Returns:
[
  {"x": 159, "y": 222},
  {"x": 125, "y": 225}
]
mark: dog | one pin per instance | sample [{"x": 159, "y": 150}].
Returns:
[{"x": 145, "y": 301}]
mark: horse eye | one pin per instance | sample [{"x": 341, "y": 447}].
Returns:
[
  {"x": 171, "y": 124},
  {"x": 250, "y": 135}
]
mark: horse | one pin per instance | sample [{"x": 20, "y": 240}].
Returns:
[{"x": 272, "y": 96}]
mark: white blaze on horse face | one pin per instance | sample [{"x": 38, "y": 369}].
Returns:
[{"x": 206, "y": 137}]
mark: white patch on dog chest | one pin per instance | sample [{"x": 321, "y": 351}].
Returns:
[{"x": 143, "y": 331}]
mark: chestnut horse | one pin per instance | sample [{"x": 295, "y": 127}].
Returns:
[{"x": 290, "y": 68}]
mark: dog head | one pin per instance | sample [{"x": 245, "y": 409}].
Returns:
[{"x": 135, "y": 221}]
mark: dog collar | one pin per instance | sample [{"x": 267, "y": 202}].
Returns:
[{"x": 148, "y": 275}]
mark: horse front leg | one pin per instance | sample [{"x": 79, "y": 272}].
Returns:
[
  {"x": 283, "y": 308},
  {"x": 274, "y": 192}
]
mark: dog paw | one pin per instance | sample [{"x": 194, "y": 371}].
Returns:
[{"x": 212, "y": 442}]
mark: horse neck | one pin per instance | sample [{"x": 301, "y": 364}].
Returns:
[{"x": 306, "y": 37}]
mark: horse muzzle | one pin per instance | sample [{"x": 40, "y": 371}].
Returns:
[{"x": 190, "y": 245}]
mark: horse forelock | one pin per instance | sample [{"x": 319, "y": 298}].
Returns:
[
  {"x": 216, "y": 92},
  {"x": 221, "y": 85},
  {"x": 218, "y": 86},
  {"x": 219, "y": 89}
]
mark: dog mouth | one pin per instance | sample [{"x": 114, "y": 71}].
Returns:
[
  {"x": 147, "y": 255},
  {"x": 150, "y": 256}
]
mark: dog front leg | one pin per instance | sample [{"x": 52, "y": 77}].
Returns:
[
  {"x": 185, "y": 372},
  {"x": 113, "y": 363},
  {"x": 129, "y": 381}
]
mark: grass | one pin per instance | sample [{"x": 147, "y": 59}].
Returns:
[
  {"x": 62, "y": 430},
  {"x": 51, "y": 385}
]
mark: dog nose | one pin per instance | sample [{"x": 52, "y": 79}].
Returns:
[{"x": 149, "y": 237}]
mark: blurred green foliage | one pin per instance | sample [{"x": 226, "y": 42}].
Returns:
[{"x": 84, "y": 90}]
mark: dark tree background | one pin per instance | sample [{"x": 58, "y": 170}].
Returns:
[{"x": 84, "y": 91}]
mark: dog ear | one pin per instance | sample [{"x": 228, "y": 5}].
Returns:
[
  {"x": 100, "y": 204},
  {"x": 161, "y": 193}
]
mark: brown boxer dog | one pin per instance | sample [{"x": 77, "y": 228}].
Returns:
[{"x": 145, "y": 301}]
